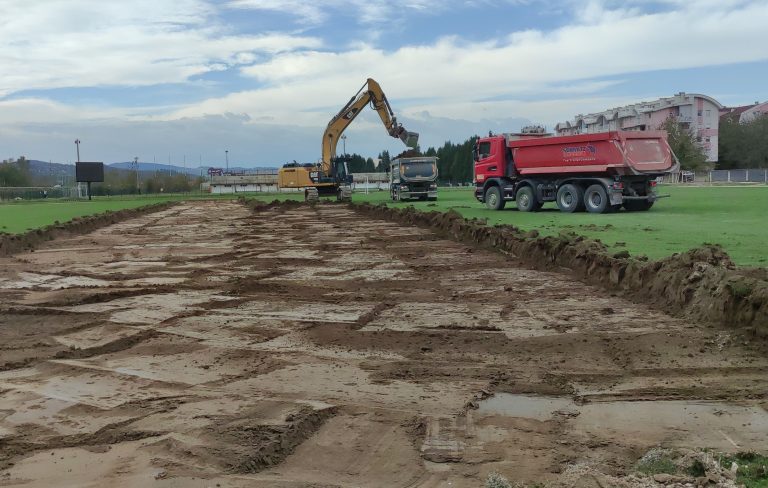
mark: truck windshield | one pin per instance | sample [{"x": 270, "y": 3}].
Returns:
[{"x": 418, "y": 169}]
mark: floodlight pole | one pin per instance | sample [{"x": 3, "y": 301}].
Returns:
[
  {"x": 136, "y": 165},
  {"x": 77, "y": 144}
]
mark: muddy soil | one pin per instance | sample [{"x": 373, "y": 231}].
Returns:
[{"x": 208, "y": 345}]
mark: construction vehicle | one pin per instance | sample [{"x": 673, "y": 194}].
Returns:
[
  {"x": 413, "y": 178},
  {"x": 595, "y": 172},
  {"x": 331, "y": 176}
]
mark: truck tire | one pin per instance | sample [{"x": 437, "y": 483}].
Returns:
[
  {"x": 526, "y": 200},
  {"x": 596, "y": 199},
  {"x": 637, "y": 205},
  {"x": 570, "y": 198},
  {"x": 493, "y": 198}
]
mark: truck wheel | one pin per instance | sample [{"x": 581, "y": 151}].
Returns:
[
  {"x": 526, "y": 200},
  {"x": 570, "y": 198},
  {"x": 596, "y": 199},
  {"x": 493, "y": 198},
  {"x": 637, "y": 205}
]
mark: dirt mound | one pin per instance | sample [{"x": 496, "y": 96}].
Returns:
[
  {"x": 15, "y": 243},
  {"x": 702, "y": 283},
  {"x": 260, "y": 205}
]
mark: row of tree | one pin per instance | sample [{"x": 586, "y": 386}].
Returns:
[{"x": 454, "y": 163}]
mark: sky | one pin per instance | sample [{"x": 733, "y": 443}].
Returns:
[{"x": 185, "y": 81}]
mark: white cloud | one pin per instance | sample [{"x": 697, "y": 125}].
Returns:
[
  {"x": 452, "y": 75},
  {"x": 364, "y": 11},
  {"x": 477, "y": 84},
  {"x": 52, "y": 44}
]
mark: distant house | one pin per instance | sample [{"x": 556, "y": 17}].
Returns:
[
  {"x": 753, "y": 112},
  {"x": 698, "y": 112}
]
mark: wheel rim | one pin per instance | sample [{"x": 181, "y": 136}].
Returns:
[
  {"x": 524, "y": 200},
  {"x": 595, "y": 199},
  {"x": 566, "y": 200},
  {"x": 492, "y": 199}
]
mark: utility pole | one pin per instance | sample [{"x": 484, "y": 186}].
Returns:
[
  {"x": 77, "y": 143},
  {"x": 344, "y": 143},
  {"x": 226, "y": 155},
  {"x": 136, "y": 167}
]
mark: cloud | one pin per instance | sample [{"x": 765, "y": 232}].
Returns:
[
  {"x": 295, "y": 86},
  {"x": 51, "y": 44},
  {"x": 364, "y": 11},
  {"x": 452, "y": 77}
]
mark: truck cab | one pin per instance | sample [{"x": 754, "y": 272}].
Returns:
[{"x": 413, "y": 178}]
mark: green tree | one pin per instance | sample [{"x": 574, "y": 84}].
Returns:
[
  {"x": 743, "y": 145},
  {"x": 14, "y": 174},
  {"x": 683, "y": 143},
  {"x": 384, "y": 162}
]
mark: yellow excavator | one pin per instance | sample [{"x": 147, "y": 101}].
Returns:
[{"x": 330, "y": 176}]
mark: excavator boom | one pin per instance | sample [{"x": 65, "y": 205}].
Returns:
[
  {"x": 330, "y": 177},
  {"x": 371, "y": 93}
]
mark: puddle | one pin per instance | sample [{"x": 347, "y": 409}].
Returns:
[
  {"x": 679, "y": 423},
  {"x": 532, "y": 407}
]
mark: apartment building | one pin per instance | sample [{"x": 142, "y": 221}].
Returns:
[{"x": 698, "y": 112}]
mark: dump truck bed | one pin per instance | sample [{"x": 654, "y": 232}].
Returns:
[{"x": 625, "y": 152}]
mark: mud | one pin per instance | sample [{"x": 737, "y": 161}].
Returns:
[
  {"x": 702, "y": 284},
  {"x": 300, "y": 346}
]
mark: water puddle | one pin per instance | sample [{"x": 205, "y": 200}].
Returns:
[{"x": 681, "y": 423}]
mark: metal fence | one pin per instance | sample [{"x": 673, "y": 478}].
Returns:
[
  {"x": 759, "y": 175},
  {"x": 11, "y": 193},
  {"x": 738, "y": 176}
]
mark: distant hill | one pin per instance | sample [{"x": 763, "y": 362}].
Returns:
[{"x": 193, "y": 171}]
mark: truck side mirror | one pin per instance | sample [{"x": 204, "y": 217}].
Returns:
[{"x": 474, "y": 152}]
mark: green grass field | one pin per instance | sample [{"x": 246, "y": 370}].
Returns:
[
  {"x": 23, "y": 216},
  {"x": 736, "y": 218}
]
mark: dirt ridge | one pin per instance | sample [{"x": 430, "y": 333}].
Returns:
[
  {"x": 15, "y": 243},
  {"x": 702, "y": 283}
]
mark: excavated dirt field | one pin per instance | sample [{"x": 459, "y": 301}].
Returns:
[{"x": 204, "y": 345}]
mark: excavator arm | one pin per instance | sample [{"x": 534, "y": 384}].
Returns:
[{"x": 373, "y": 95}]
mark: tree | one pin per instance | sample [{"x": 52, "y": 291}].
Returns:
[
  {"x": 384, "y": 162},
  {"x": 743, "y": 145},
  {"x": 683, "y": 143},
  {"x": 14, "y": 174}
]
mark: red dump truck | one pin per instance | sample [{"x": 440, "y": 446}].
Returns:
[{"x": 594, "y": 172}]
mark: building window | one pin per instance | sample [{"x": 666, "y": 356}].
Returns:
[
  {"x": 708, "y": 113},
  {"x": 699, "y": 113},
  {"x": 707, "y": 139}
]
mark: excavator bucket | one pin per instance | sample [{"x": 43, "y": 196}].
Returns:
[{"x": 410, "y": 139}]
